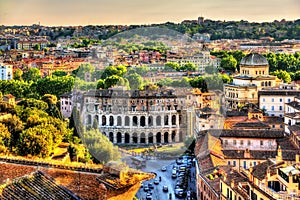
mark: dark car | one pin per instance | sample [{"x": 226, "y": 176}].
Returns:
[
  {"x": 150, "y": 185},
  {"x": 146, "y": 188},
  {"x": 165, "y": 188},
  {"x": 149, "y": 196},
  {"x": 180, "y": 193}
]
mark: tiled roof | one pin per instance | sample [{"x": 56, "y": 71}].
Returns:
[
  {"x": 36, "y": 186},
  {"x": 294, "y": 104},
  {"x": 251, "y": 125},
  {"x": 244, "y": 133},
  {"x": 295, "y": 115},
  {"x": 273, "y": 120},
  {"x": 260, "y": 170}
]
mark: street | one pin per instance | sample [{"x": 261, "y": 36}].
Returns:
[{"x": 157, "y": 192}]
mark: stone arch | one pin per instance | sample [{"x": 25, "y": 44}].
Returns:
[
  {"x": 96, "y": 117},
  {"x": 111, "y": 137},
  {"x": 173, "y": 136},
  {"x": 119, "y": 121},
  {"x": 127, "y": 121},
  {"x": 150, "y": 138},
  {"x": 119, "y": 137},
  {"x": 103, "y": 120},
  {"x": 150, "y": 121},
  {"x": 173, "y": 119},
  {"x": 158, "y": 121},
  {"x": 134, "y": 121},
  {"x": 180, "y": 119},
  {"x": 142, "y": 138},
  {"x": 166, "y": 120},
  {"x": 180, "y": 136},
  {"x": 89, "y": 119},
  {"x": 142, "y": 121},
  {"x": 158, "y": 137},
  {"x": 111, "y": 120},
  {"x": 270, "y": 84},
  {"x": 127, "y": 138},
  {"x": 166, "y": 137},
  {"x": 134, "y": 138}
]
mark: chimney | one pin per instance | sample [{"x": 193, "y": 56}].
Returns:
[{"x": 279, "y": 155}]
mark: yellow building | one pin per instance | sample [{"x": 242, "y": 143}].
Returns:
[{"x": 254, "y": 75}]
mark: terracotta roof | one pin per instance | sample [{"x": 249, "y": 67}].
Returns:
[
  {"x": 251, "y": 125},
  {"x": 260, "y": 170},
  {"x": 36, "y": 186},
  {"x": 294, "y": 104},
  {"x": 245, "y": 133},
  {"x": 295, "y": 115}
]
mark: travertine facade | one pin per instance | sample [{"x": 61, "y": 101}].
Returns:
[{"x": 150, "y": 116}]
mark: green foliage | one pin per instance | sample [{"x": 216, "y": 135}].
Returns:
[
  {"x": 100, "y": 146},
  {"x": 283, "y": 75},
  {"x": 210, "y": 69},
  {"x": 39, "y": 141},
  {"x": 171, "y": 66},
  {"x": 18, "y": 74},
  {"x": 32, "y": 74},
  {"x": 33, "y": 103},
  {"x": 83, "y": 70},
  {"x": 112, "y": 70},
  {"x": 59, "y": 73},
  {"x": 188, "y": 142},
  {"x": 229, "y": 63},
  {"x": 115, "y": 80},
  {"x": 135, "y": 81},
  {"x": 4, "y": 136},
  {"x": 100, "y": 84}
]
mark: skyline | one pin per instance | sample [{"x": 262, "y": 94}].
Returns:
[{"x": 118, "y": 12}]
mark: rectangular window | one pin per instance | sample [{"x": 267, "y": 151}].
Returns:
[
  {"x": 280, "y": 107},
  {"x": 226, "y": 142},
  {"x": 249, "y": 142},
  {"x": 264, "y": 100},
  {"x": 245, "y": 165},
  {"x": 234, "y": 142},
  {"x": 228, "y": 162},
  {"x": 280, "y": 100},
  {"x": 272, "y": 99},
  {"x": 242, "y": 142},
  {"x": 272, "y": 108},
  {"x": 234, "y": 163},
  {"x": 261, "y": 143},
  {"x": 254, "y": 163}
]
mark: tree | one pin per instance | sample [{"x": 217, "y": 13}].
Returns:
[
  {"x": 171, "y": 66},
  {"x": 4, "y": 136},
  {"x": 32, "y": 74},
  {"x": 297, "y": 76},
  {"x": 210, "y": 69},
  {"x": 100, "y": 84},
  {"x": 83, "y": 70},
  {"x": 100, "y": 146},
  {"x": 115, "y": 80},
  {"x": 135, "y": 81},
  {"x": 283, "y": 75},
  {"x": 60, "y": 73},
  {"x": 188, "y": 67},
  {"x": 229, "y": 63},
  {"x": 18, "y": 74},
  {"x": 52, "y": 109}
]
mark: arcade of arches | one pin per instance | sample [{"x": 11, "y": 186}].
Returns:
[{"x": 139, "y": 129}]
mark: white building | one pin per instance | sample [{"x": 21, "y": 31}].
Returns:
[
  {"x": 6, "y": 72},
  {"x": 292, "y": 114},
  {"x": 273, "y": 100}
]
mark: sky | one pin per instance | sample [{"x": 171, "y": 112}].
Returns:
[{"x": 127, "y": 12}]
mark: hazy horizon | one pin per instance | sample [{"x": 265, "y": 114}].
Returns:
[{"x": 118, "y": 12}]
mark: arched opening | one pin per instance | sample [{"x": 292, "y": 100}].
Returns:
[
  {"x": 111, "y": 137},
  {"x": 166, "y": 137},
  {"x": 89, "y": 119},
  {"x": 150, "y": 138},
  {"x": 158, "y": 121},
  {"x": 173, "y": 119},
  {"x": 134, "y": 121},
  {"x": 180, "y": 137},
  {"x": 127, "y": 138},
  {"x": 119, "y": 137},
  {"x": 142, "y": 121},
  {"x": 111, "y": 120},
  {"x": 262, "y": 84},
  {"x": 142, "y": 138},
  {"x": 166, "y": 120},
  {"x": 180, "y": 119},
  {"x": 127, "y": 120},
  {"x": 119, "y": 121},
  {"x": 158, "y": 137},
  {"x": 270, "y": 83},
  {"x": 103, "y": 120},
  {"x": 150, "y": 121},
  {"x": 173, "y": 136},
  {"x": 96, "y": 118},
  {"x": 134, "y": 138}
]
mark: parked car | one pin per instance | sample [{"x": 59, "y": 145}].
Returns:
[
  {"x": 179, "y": 193},
  {"x": 149, "y": 196},
  {"x": 156, "y": 181},
  {"x": 163, "y": 169},
  {"x": 150, "y": 185},
  {"x": 165, "y": 188},
  {"x": 146, "y": 188}
]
